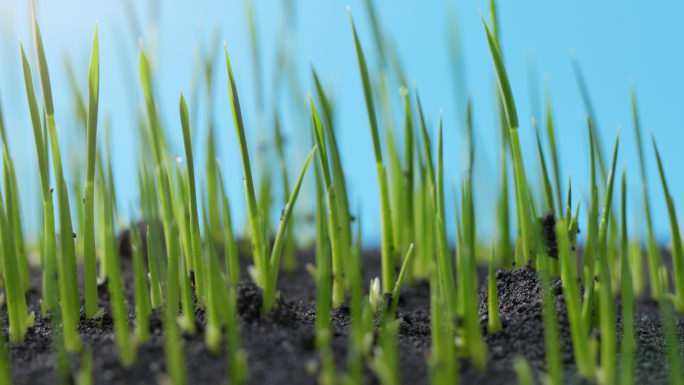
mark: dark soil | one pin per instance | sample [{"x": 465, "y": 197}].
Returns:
[{"x": 281, "y": 344}]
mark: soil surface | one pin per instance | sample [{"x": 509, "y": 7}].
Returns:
[{"x": 280, "y": 345}]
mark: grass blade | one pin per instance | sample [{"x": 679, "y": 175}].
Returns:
[
  {"x": 89, "y": 261},
  {"x": 197, "y": 258},
  {"x": 387, "y": 248}
]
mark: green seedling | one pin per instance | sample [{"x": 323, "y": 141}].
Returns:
[
  {"x": 584, "y": 348},
  {"x": 19, "y": 319},
  {"x": 274, "y": 262},
  {"x": 333, "y": 212},
  {"x": 173, "y": 344},
  {"x": 68, "y": 280},
  {"x": 217, "y": 293},
  {"x": 338, "y": 179},
  {"x": 143, "y": 308},
  {"x": 85, "y": 374},
  {"x": 677, "y": 248},
  {"x": 628, "y": 343},
  {"x": 197, "y": 259},
  {"x": 494, "y": 323},
  {"x": 231, "y": 250},
  {"x": 523, "y": 371},
  {"x": 387, "y": 245},
  {"x": 435, "y": 181},
  {"x": 289, "y": 258},
  {"x": 89, "y": 259},
  {"x": 50, "y": 285},
  {"x": 654, "y": 261},
  {"x": 518, "y": 167},
  {"x": 155, "y": 287}
]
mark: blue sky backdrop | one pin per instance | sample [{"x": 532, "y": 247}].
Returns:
[{"x": 614, "y": 44}]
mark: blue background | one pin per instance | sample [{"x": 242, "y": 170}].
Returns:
[{"x": 615, "y": 45}]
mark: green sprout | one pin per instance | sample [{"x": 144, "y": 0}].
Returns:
[
  {"x": 387, "y": 245},
  {"x": 89, "y": 261},
  {"x": 14, "y": 289},
  {"x": 49, "y": 251},
  {"x": 334, "y": 219},
  {"x": 652, "y": 246},
  {"x": 677, "y": 248},
  {"x": 628, "y": 342},
  {"x": 231, "y": 251},
  {"x": 267, "y": 270},
  {"x": 68, "y": 280},
  {"x": 523, "y": 371},
  {"x": 143, "y": 308},
  {"x": 197, "y": 259},
  {"x": 173, "y": 345},
  {"x": 518, "y": 166},
  {"x": 338, "y": 179},
  {"x": 155, "y": 287},
  {"x": 494, "y": 323}
]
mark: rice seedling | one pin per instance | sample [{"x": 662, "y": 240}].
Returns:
[
  {"x": 50, "y": 285},
  {"x": 494, "y": 323},
  {"x": 651, "y": 243},
  {"x": 518, "y": 166},
  {"x": 143, "y": 307},
  {"x": 230, "y": 245},
  {"x": 197, "y": 258},
  {"x": 173, "y": 345},
  {"x": 19, "y": 319},
  {"x": 585, "y": 349},
  {"x": 333, "y": 212},
  {"x": 387, "y": 249},
  {"x": 523, "y": 371},
  {"x": 68, "y": 284},
  {"x": 628, "y": 346},
  {"x": 677, "y": 249},
  {"x": 338, "y": 180},
  {"x": 156, "y": 296},
  {"x": 85, "y": 374},
  {"x": 89, "y": 260}
]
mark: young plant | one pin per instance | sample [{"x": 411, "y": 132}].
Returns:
[
  {"x": 197, "y": 259},
  {"x": 494, "y": 323},
  {"x": 628, "y": 342},
  {"x": 267, "y": 270},
  {"x": 551, "y": 135},
  {"x": 654, "y": 261},
  {"x": 442, "y": 362},
  {"x": 89, "y": 259},
  {"x": 68, "y": 279},
  {"x": 523, "y": 371},
  {"x": 237, "y": 357},
  {"x": 387, "y": 245},
  {"x": 231, "y": 251},
  {"x": 49, "y": 251},
  {"x": 259, "y": 243},
  {"x": 518, "y": 167},
  {"x": 338, "y": 179},
  {"x": 155, "y": 287},
  {"x": 584, "y": 348},
  {"x": 274, "y": 262},
  {"x": 289, "y": 258},
  {"x": 173, "y": 344},
  {"x": 216, "y": 292},
  {"x": 143, "y": 308},
  {"x": 677, "y": 248},
  {"x": 127, "y": 351},
  {"x": 606, "y": 301},
  {"x": 333, "y": 217},
  {"x": 19, "y": 319},
  {"x": 435, "y": 181}
]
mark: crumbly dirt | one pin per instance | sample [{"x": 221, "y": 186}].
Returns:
[{"x": 280, "y": 344}]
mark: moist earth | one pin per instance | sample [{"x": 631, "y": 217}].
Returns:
[{"x": 280, "y": 345}]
